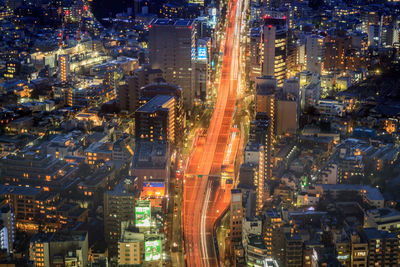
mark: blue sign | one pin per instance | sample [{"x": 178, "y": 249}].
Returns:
[
  {"x": 153, "y": 184},
  {"x": 202, "y": 53}
]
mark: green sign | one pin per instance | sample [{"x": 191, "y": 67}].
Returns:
[
  {"x": 152, "y": 250},
  {"x": 143, "y": 213}
]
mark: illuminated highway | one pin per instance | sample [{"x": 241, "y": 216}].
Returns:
[{"x": 204, "y": 199}]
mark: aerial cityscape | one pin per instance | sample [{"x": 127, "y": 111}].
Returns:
[{"x": 200, "y": 133}]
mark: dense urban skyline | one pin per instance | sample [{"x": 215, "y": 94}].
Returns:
[{"x": 200, "y": 133}]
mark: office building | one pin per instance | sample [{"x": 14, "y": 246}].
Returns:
[
  {"x": 248, "y": 174},
  {"x": 287, "y": 115},
  {"x": 129, "y": 93},
  {"x": 265, "y": 102},
  {"x": 203, "y": 69},
  {"x": 236, "y": 215},
  {"x": 172, "y": 44},
  {"x": 111, "y": 76},
  {"x": 255, "y": 53},
  {"x": 315, "y": 51},
  {"x": 337, "y": 46},
  {"x": 260, "y": 133},
  {"x": 63, "y": 61},
  {"x": 274, "y": 38},
  {"x": 156, "y": 119},
  {"x": 273, "y": 235},
  {"x": 119, "y": 206},
  {"x": 160, "y": 88},
  {"x": 201, "y": 80}
]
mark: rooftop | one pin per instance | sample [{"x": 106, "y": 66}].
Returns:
[
  {"x": 371, "y": 192},
  {"x": 154, "y": 104},
  {"x": 384, "y": 213},
  {"x": 150, "y": 155},
  {"x": 19, "y": 190},
  {"x": 373, "y": 233}
]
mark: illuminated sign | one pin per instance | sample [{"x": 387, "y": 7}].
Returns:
[
  {"x": 343, "y": 257},
  {"x": 202, "y": 53},
  {"x": 212, "y": 17},
  {"x": 152, "y": 250},
  {"x": 143, "y": 213},
  {"x": 153, "y": 189}
]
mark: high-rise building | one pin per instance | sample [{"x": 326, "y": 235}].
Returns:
[
  {"x": 129, "y": 93},
  {"x": 265, "y": 97},
  {"x": 236, "y": 216},
  {"x": 287, "y": 114},
  {"x": 273, "y": 235},
  {"x": 160, "y": 88},
  {"x": 63, "y": 61},
  {"x": 315, "y": 46},
  {"x": 119, "y": 206},
  {"x": 266, "y": 113},
  {"x": 337, "y": 45},
  {"x": 274, "y": 38},
  {"x": 248, "y": 174},
  {"x": 111, "y": 77},
  {"x": 172, "y": 48},
  {"x": 252, "y": 172},
  {"x": 255, "y": 53},
  {"x": 260, "y": 131},
  {"x": 201, "y": 79},
  {"x": 156, "y": 119}
]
